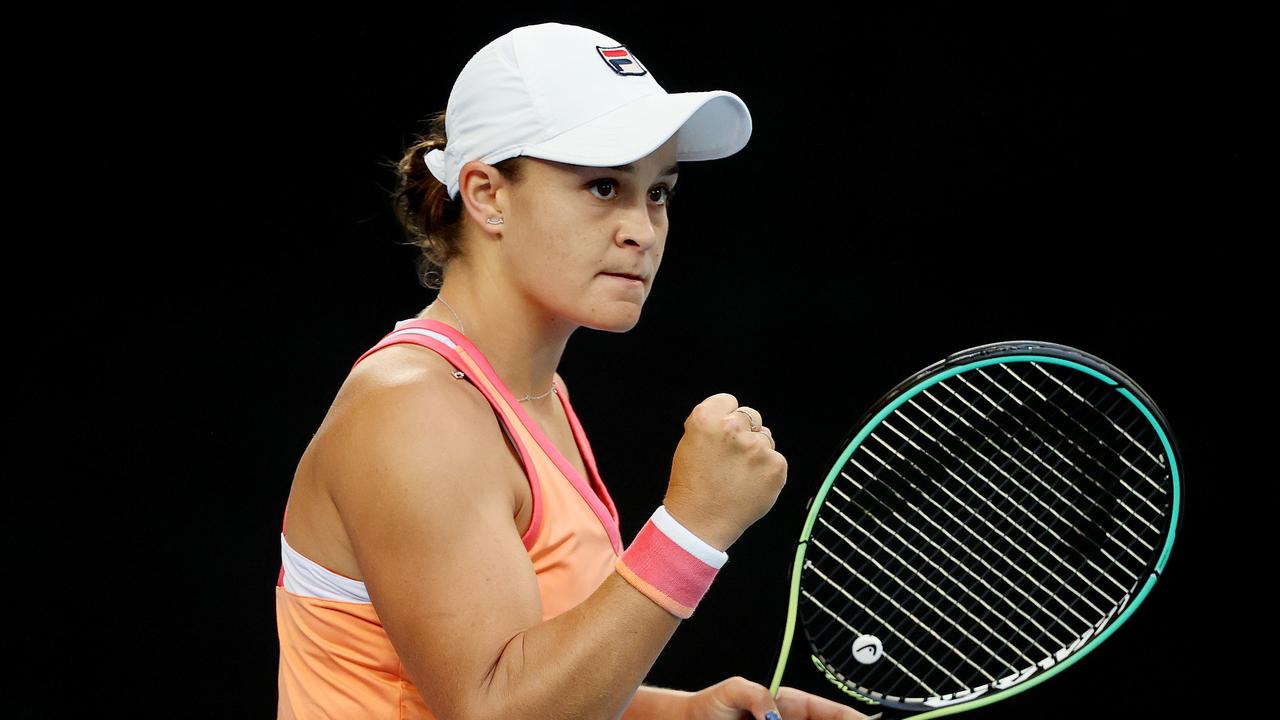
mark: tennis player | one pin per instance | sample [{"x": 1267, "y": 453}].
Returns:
[{"x": 449, "y": 548}]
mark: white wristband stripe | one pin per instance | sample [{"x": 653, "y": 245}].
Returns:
[{"x": 687, "y": 540}]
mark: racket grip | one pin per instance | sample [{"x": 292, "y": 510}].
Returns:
[{"x": 670, "y": 565}]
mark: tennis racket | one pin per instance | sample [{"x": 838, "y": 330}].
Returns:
[{"x": 989, "y": 522}]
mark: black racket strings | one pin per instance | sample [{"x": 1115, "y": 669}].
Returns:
[
  {"x": 1069, "y": 605},
  {"x": 1055, "y": 510},
  {"x": 915, "y": 609},
  {"x": 924, "y": 652},
  {"x": 914, "y": 603},
  {"x": 920, "y": 598},
  {"x": 898, "y": 496}
]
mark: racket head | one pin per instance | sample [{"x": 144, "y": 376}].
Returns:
[{"x": 988, "y": 522}]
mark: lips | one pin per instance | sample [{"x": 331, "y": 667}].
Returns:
[{"x": 626, "y": 275}]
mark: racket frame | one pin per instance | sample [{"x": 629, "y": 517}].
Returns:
[{"x": 953, "y": 364}]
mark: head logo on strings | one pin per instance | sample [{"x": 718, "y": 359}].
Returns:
[{"x": 867, "y": 649}]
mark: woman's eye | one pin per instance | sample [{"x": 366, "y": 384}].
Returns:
[
  {"x": 603, "y": 183},
  {"x": 666, "y": 193}
]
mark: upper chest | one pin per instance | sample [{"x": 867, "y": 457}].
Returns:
[{"x": 553, "y": 423}]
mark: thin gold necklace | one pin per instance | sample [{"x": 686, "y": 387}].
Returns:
[{"x": 464, "y": 332}]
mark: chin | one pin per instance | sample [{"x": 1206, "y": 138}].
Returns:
[{"x": 614, "y": 322}]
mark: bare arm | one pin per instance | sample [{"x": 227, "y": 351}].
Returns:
[
  {"x": 657, "y": 703},
  {"x": 430, "y": 520}
]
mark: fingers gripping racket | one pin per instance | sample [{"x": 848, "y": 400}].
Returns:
[{"x": 991, "y": 520}]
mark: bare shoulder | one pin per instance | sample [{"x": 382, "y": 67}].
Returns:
[
  {"x": 404, "y": 366},
  {"x": 402, "y": 406},
  {"x": 405, "y": 396}
]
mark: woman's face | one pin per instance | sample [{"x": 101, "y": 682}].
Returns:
[{"x": 568, "y": 226}]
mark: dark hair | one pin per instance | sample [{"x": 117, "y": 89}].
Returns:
[{"x": 431, "y": 219}]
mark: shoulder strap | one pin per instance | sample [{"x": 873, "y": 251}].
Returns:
[
  {"x": 442, "y": 344},
  {"x": 446, "y": 348}
]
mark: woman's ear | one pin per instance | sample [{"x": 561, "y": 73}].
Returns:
[{"x": 478, "y": 186}]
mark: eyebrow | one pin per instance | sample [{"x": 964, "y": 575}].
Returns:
[{"x": 631, "y": 168}]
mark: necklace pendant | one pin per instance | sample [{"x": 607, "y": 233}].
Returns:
[{"x": 459, "y": 374}]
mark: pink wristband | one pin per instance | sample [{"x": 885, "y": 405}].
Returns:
[{"x": 669, "y": 564}]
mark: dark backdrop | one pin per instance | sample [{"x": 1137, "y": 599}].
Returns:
[{"x": 918, "y": 181}]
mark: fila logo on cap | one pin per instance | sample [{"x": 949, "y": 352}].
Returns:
[{"x": 621, "y": 60}]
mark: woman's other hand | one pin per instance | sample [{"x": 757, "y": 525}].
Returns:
[{"x": 730, "y": 698}]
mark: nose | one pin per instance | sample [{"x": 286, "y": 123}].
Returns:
[{"x": 638, "y": 226}]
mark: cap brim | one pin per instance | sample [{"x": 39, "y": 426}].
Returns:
[{"x": 711, "y": 125}]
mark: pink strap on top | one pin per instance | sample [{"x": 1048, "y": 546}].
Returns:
[
  {"x": 593, "y": 491},
  {"x": 425, "y": 332}
]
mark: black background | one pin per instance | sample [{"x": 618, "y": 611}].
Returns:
[{"x": 918, "y": 181}]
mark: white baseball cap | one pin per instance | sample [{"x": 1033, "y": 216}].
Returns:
[{"x": 570, "y": 94}]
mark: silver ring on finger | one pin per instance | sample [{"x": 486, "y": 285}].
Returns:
[{"x": 754, "y": 426}]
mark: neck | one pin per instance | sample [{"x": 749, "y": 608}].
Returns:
[{"x": 523, "y": 345}]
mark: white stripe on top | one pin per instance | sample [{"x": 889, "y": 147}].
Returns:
[
  {"x": 304, "y": 576},
  {"x": 423, "y": 331},
  {"x": 682, "y": 536}
]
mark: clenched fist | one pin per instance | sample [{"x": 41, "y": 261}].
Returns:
[{"x": 724, "y": 475}]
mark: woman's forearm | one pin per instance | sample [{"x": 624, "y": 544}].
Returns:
[
  {"x": 655, "y": 703},
  {"x": 584, "y": 664}
]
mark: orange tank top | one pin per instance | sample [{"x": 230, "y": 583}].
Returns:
[{"x": 336, "y": 660}]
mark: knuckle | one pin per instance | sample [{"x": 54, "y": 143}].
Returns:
[
  {"x": 721, "y": 398},
  {"x": 741, "y": 681}
]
